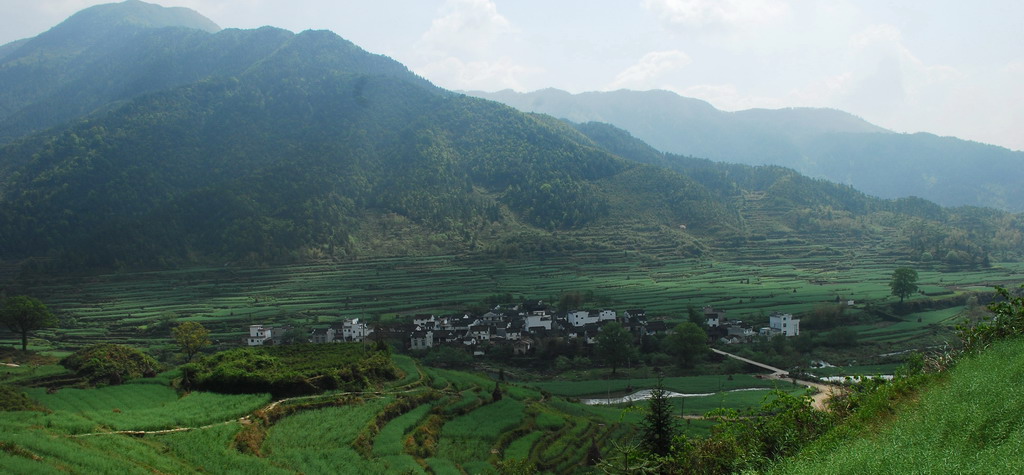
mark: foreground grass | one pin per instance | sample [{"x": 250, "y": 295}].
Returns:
[{"x": 971, "y": 422}]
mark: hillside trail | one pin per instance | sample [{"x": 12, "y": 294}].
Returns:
[
  {"x": 247, "y": 419},
  {"x": 825, "y": 391}
]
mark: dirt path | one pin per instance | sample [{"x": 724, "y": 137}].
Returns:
[
  {"x": 246, "y": 419},
  {"x": 825, "y": 391}
]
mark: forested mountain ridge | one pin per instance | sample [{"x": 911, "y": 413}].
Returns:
[
  {"x": 264, "y": 146},
  {"x": 817, "y": 142},
  {"x": 101, "y": 55}
]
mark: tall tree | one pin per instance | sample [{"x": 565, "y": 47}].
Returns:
[
  {"x": 903, "y": 283},
  {"x": 191, "y": 337},
  {"x": 659, "y": 425},
  {"x": 688, "y": 343},
  {"x": 23, "y": 314},
  {"x": 615, "y": 345}
]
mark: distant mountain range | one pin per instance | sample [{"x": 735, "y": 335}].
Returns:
[
  {"x": 821, "y": 143},
  {"x": 141, "y": 136}
]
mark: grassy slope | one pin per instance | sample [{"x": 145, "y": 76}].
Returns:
[{"x": 972, "y": 422}]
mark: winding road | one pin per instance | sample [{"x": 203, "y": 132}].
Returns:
[{"x": 825, "y": 391}]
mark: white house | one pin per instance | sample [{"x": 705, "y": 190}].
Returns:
[
  {"x": 322, "y": 335},
  {"x": 579, "y": 318},
  {"x": 259, "y": 334},
  {"x": 354, "y": 330},
  {"x": 538, "y": 319},
  {"x": 606, "y": 315},
  {"x": 422, "y": 340},
  {"x": 714, "y": 317},
  {"x": 785, "y": 324}
]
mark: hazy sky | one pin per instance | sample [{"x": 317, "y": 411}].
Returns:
[{"x": 950, "y": 67}]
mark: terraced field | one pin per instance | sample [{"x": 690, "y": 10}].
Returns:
[
  {"x": 136, "y": 308},
  {"x": 427, "y": 421}
]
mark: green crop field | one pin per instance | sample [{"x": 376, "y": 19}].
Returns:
[
  {"x": 142, "y": 406},
  {"x": 683, "y": 384},
  {"x": 135, "y": 308},
  {"x": 458, "y": 428}
]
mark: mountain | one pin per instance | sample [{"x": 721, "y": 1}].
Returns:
[
  {"x": 821, "y": 143},
  {"x": 172, "y": 145},
  {"x": 105, "y": 54}
]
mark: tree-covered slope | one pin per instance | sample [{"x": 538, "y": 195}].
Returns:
[
  {"x": 109, "y": 53},
  {"x": 821, "y": 143},
  {"x": 777, "y": 202},
  {"x": 266, "y": 146},
  {"x": 288, "y": 153}
]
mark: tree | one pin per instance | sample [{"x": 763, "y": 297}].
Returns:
[
  {"x": 23, "y": 314},
  {"x": 191, "y": 337},
  {"x": 903, "y": 283},
  {"x": 687, "y": 343},
  {"x": 615, "y": 345},
  {"x": 695, "y": 316},
  {"x": 659, "y": 425}
]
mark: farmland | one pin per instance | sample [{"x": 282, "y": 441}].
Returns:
[
  {"x": 137, "y": 308},
  {"x": 425, "y": 420}
]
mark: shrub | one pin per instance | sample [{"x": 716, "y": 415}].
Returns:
[
  {"x": 11, "y": 399},
  {"x": 1008, "y": 321},
  {"x": 289, "y": 370},
  {"x": 110, "y": 363}
]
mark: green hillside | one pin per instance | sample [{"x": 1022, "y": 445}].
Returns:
[
  {"x": 175, "y": 144},
  {"x": 970, "y": 421},
  {"x": 824, "y": 143}
]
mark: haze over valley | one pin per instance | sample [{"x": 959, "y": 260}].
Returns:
[{"x": 268, "y": 251}]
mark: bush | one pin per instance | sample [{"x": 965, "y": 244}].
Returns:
[
  {"x": 11, "y": 399},
  {"x": 1008, "y": 321},
  {"x": 289, "y": 370},
  {"x": 110, "y": 363}
]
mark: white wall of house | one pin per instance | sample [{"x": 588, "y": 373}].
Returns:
[
  {"x": 258, "y": 334},
  {"x": 539, "y": 320},
  {"x": 579, "y": 318},
  {"x": 785, "y": 324}
]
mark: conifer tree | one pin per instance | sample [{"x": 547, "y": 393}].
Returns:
[{"x": 659, "y": 426}]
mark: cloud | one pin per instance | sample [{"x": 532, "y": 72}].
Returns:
[
  {"x": 717, "y": 14},
  {"x": 652, "y": 67},
  {"x": 465, "y": 28},
  {"x": 728, "y": 97},
  {"x": 467, "y": 47},
  {"x": 884, "y": 78},
  {"x": 454, "y": 73}
]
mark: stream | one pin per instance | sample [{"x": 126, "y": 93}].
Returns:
[{"x": 645, "y": 394}]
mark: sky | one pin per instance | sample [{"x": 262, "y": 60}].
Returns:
[{"x": 949, "y": 67}]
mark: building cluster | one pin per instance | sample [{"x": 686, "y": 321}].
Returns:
[
  {"x": 345, "y": 331},
  {"x": 720, "y": 328},
  {"x": 521, "y": 326}
]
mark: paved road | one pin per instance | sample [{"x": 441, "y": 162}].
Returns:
[
  {"x": 825, "y": 391},
  {"x": 755, "y": 363}
]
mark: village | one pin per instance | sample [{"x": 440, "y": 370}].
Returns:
[{"x": 520, "y": 326}]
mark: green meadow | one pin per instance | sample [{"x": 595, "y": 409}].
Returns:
[{"x": 971, "y": 422}]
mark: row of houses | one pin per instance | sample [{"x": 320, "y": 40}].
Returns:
[
  {"x": 735, "y": 331},
  {"x": 521, "y": 326},
  {"x": 345, "y": 331}
]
